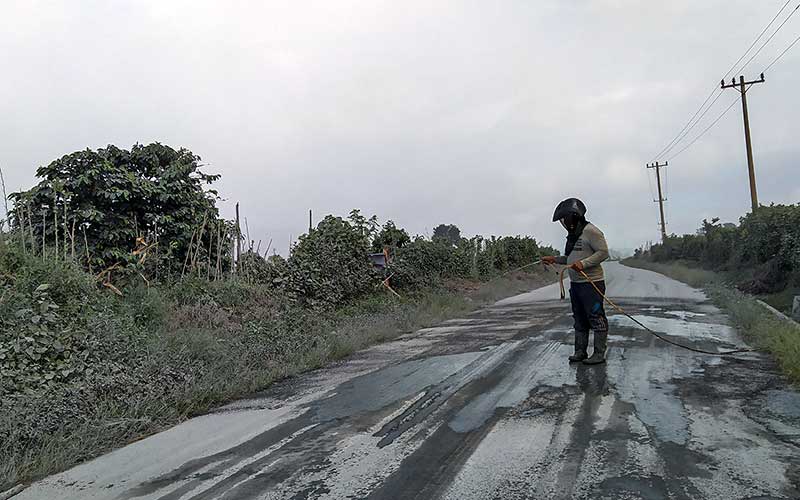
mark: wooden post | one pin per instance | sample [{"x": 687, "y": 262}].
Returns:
[
  {"x": 208, "y": 257},
  {"x": 44, "y": 231},
  {"x": 218, "y": 269},
  {"x": 238, "y": 241},
  {"x": 55, "y": 227},
  {"x": 86, "y": 244},
  {"x": 30, "y": 225},
  {"x": 72, "y": 239},
  {"x": 21, "y": 223},
  {"x": 66, "y": 232}
]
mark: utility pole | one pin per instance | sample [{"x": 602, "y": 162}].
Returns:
[
  {"x": 661, "y": 199},
  {"x": 743, "y": 86}
]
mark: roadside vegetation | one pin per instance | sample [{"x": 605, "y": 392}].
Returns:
[
  {"x": 736, "y": 265},
  {"x": 760, "y": 255},
  {"x": 125, "y": 308}
]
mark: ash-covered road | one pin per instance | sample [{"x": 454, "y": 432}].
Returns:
[{"x": 488, "y": 407}]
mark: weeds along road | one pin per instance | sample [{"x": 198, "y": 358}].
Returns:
[{"x": 488, "y": 407}]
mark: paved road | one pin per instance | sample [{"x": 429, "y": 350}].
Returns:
[{"x": 487, "y": 407}]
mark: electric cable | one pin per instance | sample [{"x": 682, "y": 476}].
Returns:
[
  {"x": 770, "y": 38},
  {"x": 704, "y": 131},
  {"x": 681, "y": 133},
  {"x": 781, "y": 54}
]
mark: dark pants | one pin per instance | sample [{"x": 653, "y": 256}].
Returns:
[{"x": 588, "y": 312}]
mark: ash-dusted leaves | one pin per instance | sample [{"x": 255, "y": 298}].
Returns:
[
  {"x": 110, "y": 206},
  {"x": 39, "y": 347}
]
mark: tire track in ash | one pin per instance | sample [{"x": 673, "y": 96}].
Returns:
[
  {"x": 468, "y": 416},
  {"x": 287, "y": 451}
]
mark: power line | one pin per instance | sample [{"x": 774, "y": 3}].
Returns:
[
  {"x": 768, "y": 39},
  {"x": 757, "y": 38},
  {"x": 683, "y": 132},
  {"x": 674, "y": 139},
  {"x": 781, "y": 54},
  {"x": 704, "y": 131},
  {"x": 696, "y": 123}
]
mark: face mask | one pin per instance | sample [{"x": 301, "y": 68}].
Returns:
[{"x": 569, "y": 223}]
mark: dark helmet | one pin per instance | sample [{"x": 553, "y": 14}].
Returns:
[
  {"x": 570, "y": 213},
  {"x": 570, "y": 206}
]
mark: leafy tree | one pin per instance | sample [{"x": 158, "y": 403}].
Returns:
[
  {"x": 103, "y": 201},
  {"x": 390, "y": 236},
  {"x": 448, "y": 233},
  {"x": 366, "y": 227}
]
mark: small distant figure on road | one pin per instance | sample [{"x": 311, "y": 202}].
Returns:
[{"x": 585, "y": 250}]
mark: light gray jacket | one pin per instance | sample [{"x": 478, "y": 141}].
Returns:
[{"x": 592, "y": 249}]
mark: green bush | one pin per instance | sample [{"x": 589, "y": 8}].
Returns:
[
  {"x": 423, "y": 263},
  {"x": 391, "y": 237},
  {"x": 766, "y": 241},
  {"x": 330, "y": 265},
  {"x": 44, "y": 337}
]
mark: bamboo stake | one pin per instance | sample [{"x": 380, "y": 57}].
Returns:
[
  {"x": 30, "y": 225},
  {"x": 218, "y": 271},
  {"x": 5, "y": 196},
  {"x": 208, "y": 260},
  {"x": 156, "y": 255},
  {"x": 72, "y": 239},
  {"x": 44, "y": 231},
  {"x": 86, "y": 245},
  {"x": 234, "y": 263},
  {"x": 66, "y": 233},
  {"x": 268, "y": 246},
  {"x": 55, "y": 225},
  {"x": 188, "y": 252},
  {"x": 238, "y": 241},
  {"x": 21, "y": 213},
  {"x": 199, "y": 243}
]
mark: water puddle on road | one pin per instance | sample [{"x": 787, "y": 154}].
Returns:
[
  {"x": 684, "y": 315},
  {"x": 678, "y": 327}
]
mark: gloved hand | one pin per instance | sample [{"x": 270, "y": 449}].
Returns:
[
  {"x": 577, "y": 265},
  {"x": 549, "y": 260}
]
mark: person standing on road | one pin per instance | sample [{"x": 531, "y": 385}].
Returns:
[{"x": 586, "y": 248}]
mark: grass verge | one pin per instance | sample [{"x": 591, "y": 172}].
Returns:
[
  {"x": 760, "y": 327},
  {"x": 176, "y": 354}
]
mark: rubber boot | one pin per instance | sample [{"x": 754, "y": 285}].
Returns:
[
  {"x": 599, "y": 354},
  {"x": 581, "y": 345}
]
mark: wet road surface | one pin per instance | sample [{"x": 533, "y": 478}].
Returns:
[{"x": 487, "y": 407}]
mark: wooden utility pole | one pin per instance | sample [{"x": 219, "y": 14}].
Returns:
[
  {"x": 238, "y": 241},
  {"x": 661, "y": 199},
  {"x": 743, "y": 86}
]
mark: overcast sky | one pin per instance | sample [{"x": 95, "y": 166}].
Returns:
[{"x": 478, "y": 113}]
